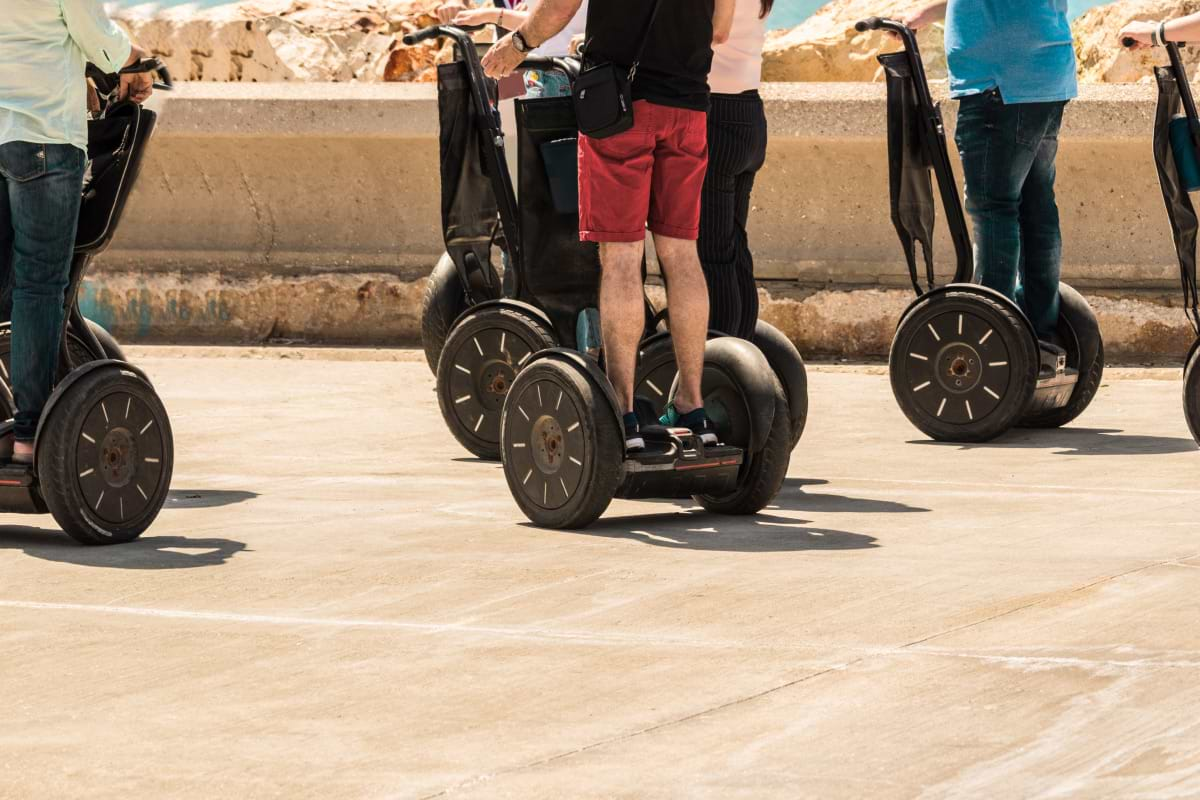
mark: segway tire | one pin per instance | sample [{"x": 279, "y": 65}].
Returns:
[
  {"x": 562, "y": 445},
  {"x": 104, "y": 457},
  {"x": 1191, "y": 392},
  {"x": 736, "y": 410},
  {"x": 988, "y": 340},
  {"x": 483, "y": 354},
  {"x": 443, "y": 303},
  {"x": 1080, "y": 331},
  {"x": 788, "y": 364}
]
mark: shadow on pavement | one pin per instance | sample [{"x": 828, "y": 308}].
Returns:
[
  {"x": 206, "y": 498},
  {"x": 1080, "y": 442},
  {"x": 700, "y": 530},
  {"x": 148, "y": 552},
  {"x": 792, "y": 497}
]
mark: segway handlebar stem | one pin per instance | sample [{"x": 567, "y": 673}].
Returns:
[{"x": 934, "y": 138}]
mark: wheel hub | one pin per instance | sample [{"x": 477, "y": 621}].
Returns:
[
  {"x": 118, "y": 457},
  {"x": 548, "y": 444},
  {"x": 494, "y": 380},
  {"x": 959, "y": 367}
]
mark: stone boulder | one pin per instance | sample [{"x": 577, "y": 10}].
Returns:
[
  {"x": 1103, "y": 60},
  {"x": 289, "y": 40},
  {"x": 825, "y": 47}
]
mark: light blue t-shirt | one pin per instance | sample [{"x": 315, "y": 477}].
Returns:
[{"x": 1023, "y": 47}]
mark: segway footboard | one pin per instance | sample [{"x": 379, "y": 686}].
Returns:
[{"x": 676, "y": 464}]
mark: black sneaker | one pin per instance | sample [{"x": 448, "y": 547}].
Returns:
[
  {"x": 695, "y": 421},
  {"x": 1054, "y": 360},
  {"x": 634, "y": 442}
]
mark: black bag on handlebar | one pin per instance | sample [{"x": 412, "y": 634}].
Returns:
[{"x": 604, "y": 93}]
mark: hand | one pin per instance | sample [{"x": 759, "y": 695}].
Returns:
[
  {"x": 1140, "y": 32},
  {"x": 137, "y": 86},
  {"x": 502, "y": 59},
  {"x": 575, "y": 43},
  {"x": 448, "y": 11},
  {"x": 921, "y": 17},
  {"x": 475, "y": 16},
  {"x": 93, "y": 98}
]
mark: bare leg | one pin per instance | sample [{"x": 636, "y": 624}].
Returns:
[
  {"x": 622, "y": 314},
  {"x": 687, "y": 298}
]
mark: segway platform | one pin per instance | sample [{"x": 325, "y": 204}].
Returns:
[{"x": 676, "y": 463}]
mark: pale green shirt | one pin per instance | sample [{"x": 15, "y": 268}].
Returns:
[{"x": 44, "y": 45}]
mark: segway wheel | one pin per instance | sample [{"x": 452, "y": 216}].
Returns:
[
  {"x": 785, "y": 359},
  {"x": 1080, "y": 332},
  {"x": 444, "y": 302},
  {"x": 655, "y": 371},
  {"x": 1191, "y": 391},
  {"x": 741, "y": 391},
  {"x": 79, "y": 352},
  {"x": 104, "y": 457},
  {"x": 963, "y": 366},
  {"x": 482, "y": 357},
  {"x": 562, "y": 445}
]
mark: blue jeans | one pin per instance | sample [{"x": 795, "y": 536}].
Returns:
[
  {"x": 1008, "y": 154},
  {"x": 40, "y": 186}
]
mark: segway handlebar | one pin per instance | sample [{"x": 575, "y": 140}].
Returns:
[
  {"x": 456, "y": 32},
  {"x": 906, "y": 34}
]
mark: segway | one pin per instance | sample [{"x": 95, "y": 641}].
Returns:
[
  {"x": 965, "y": 359},
  {"x": 103, "y": 452},
  {"x": 1176, "y": 141}
]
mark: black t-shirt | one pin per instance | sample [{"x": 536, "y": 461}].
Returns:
[{"x": 673, "y": 70}]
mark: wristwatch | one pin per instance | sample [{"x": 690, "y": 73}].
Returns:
[{"x": 519, "y": 42}]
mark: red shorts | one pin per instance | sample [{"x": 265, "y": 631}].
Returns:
[{"x": 649, "y": 176}]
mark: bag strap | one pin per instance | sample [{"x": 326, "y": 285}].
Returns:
[{"x": 637, "y": 56}]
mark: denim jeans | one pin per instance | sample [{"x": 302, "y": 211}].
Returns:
[
  {"x": 1008, "y": 154},
  {"x": 40, "y": 187}
]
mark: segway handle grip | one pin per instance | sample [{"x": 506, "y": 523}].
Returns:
[
  {"x": 416, "y": 37},
  {"x": 868, "y": 24},
  {"x": 1128, "y": 41}
]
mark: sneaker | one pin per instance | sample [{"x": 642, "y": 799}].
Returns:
[
  {"x": 1054, "y": 360},
  {"x": 695, "y": 421},
  {"x": 633, "y": 434}
]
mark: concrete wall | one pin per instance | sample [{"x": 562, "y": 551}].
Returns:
[{"x": 309, "y": 212}]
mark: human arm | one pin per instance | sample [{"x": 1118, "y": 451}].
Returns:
[
  {"x": 490, "y": 15},
  {"x": 1183, "y": 29},
  {"x": 723, "y": 19},
  {"x": 106, "y": 45},
  {"x": 548, "y": 19},
  {"x": 925, "y": 15}
]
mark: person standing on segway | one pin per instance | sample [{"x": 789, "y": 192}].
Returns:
[
  {"x": 1012, "y": 69},
  {"x": 649, "y": 175},
  {"x": 44, "y": 46}
]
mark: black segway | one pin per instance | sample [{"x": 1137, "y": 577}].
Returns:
[
  {"x": 1176, "y": 143},
  {"x": 103, "y": 450},
  {"x": 965, "y": 361},
  {"x": 480, "y": 337}
]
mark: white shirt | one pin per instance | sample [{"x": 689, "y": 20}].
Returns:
[
  {"x": 737, "y": 64},
  {"x": 556, "y": 46},
  {"x": 44, "y": 45}
]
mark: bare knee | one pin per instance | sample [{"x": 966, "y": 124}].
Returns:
[
  {"x": 676, "y": 256},
  {"x": 621, "y": 259}
]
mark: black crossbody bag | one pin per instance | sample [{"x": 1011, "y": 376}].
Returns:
[{"x": 603, "y": 93}]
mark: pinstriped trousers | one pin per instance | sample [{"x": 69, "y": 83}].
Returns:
[{"x": 737, "y": 148}]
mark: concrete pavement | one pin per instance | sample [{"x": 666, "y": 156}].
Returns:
[{"x": 339, "y": 603}]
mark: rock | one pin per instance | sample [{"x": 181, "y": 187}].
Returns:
[
  {"x": 1103, "y": 60},
  {"x": 825, "y": 47},
  {"x": 289, "y": 40}
]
